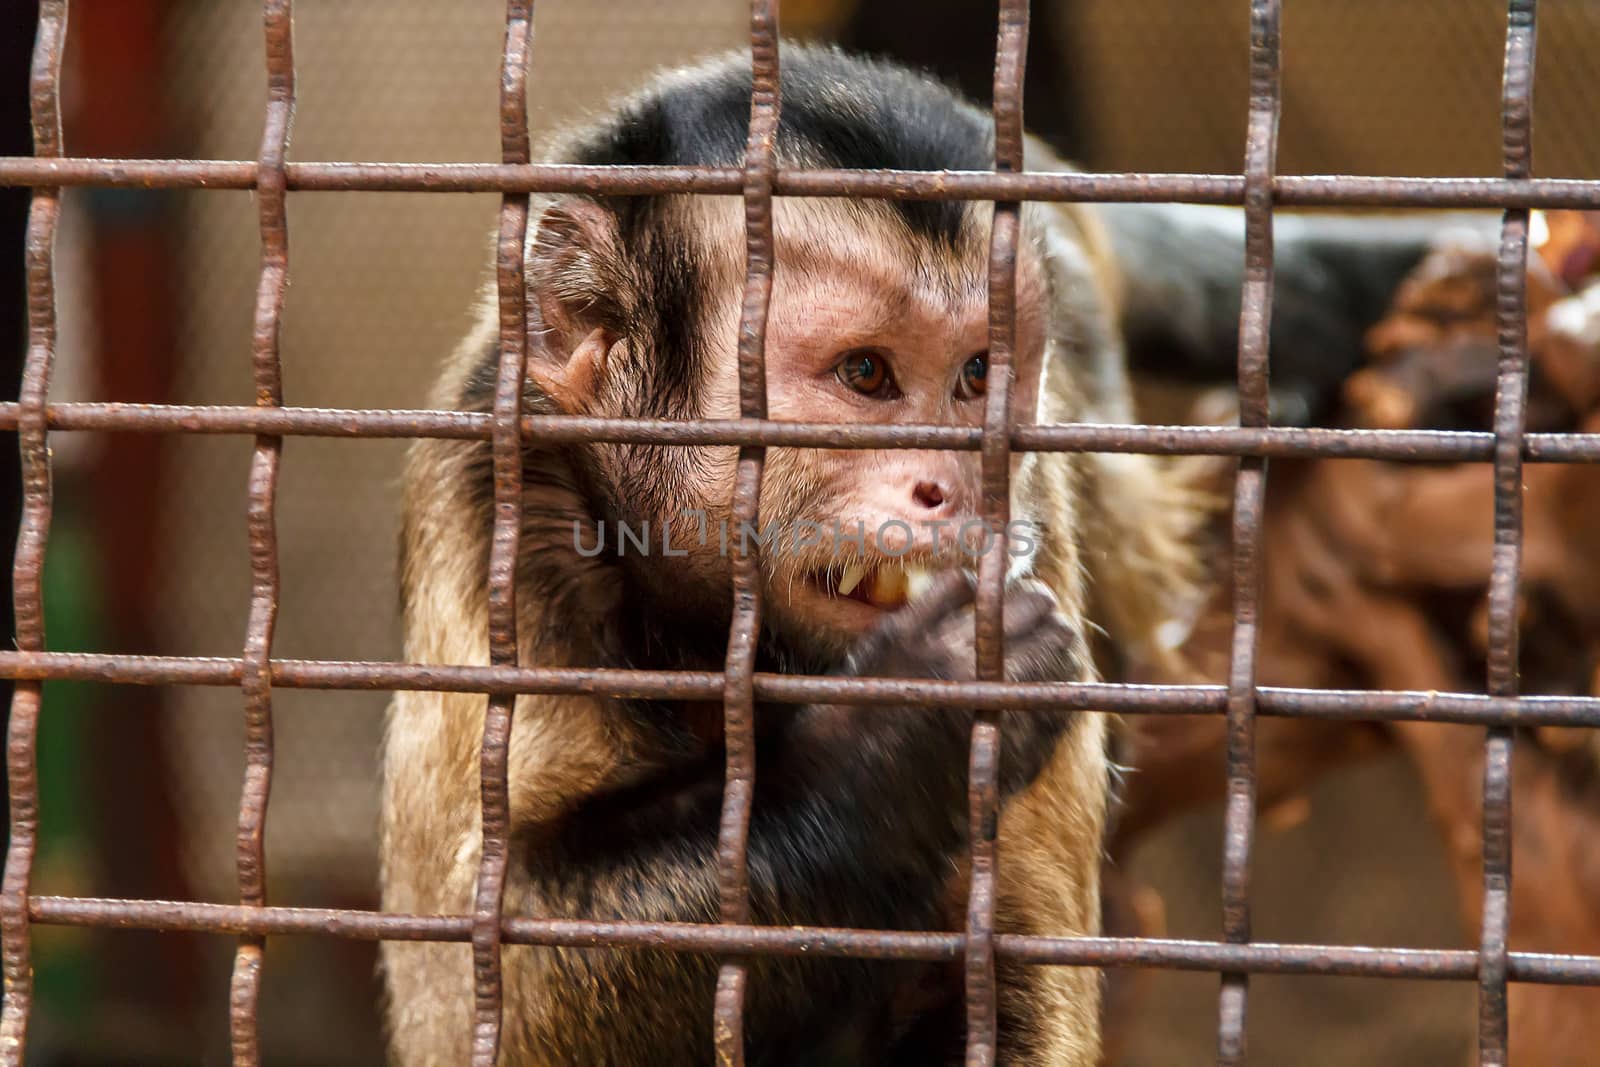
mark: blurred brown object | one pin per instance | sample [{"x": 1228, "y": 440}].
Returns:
[{"x": 1376, "y": 576}]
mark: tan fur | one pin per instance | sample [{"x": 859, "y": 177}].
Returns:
[{"x": 1115, "y": 550}]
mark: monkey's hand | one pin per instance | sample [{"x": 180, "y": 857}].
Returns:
[{"x": 935, "y": 637}]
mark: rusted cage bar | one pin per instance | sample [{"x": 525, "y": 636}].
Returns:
[
  {"x": 1418, "y": 446},
  {"x": 1328, "y": 704},
  {"x": 22, "y": 730},
  {"x": 1510, "y": 426},
  {"x": 1249, "y": 506},
  {"x": 1492, "y": 965},
  {"x": 265, "y": 461},
  {"x": 1308, "y": 190},
  {"x": 738, "y": 693},
  {"x": 983, "y": 805},
  {"x": 506, "y": 447}
]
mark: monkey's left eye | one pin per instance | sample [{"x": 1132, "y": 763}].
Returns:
[
  {"x": 974, "y": 376},
  {"x": 867, "y": 373}
]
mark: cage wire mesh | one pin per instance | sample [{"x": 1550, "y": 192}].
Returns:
[{"x": 382, "y": 283}]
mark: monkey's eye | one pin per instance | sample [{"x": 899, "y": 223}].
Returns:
[
  {"x": 974, "y": 376},
  {"x": 867, "y": 373}
]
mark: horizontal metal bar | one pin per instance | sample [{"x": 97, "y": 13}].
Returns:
[
  {"x": 1406, "y": 446},
  {"x": 370, "y": 177},
  {"x": 1257, "y": 958},
  {"x": 1287, "y": 190},
  {"x": 1351, "y": 705}
]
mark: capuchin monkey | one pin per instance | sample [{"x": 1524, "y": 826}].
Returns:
[{"x": 878, "y": 315}]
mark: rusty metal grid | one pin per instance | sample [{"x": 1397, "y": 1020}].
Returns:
[{"x": 255, "y": 672}]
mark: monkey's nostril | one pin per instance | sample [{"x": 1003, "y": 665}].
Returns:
[{"x": 928, "y": 494}]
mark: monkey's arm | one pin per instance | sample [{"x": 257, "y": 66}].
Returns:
[{"x": 1182, "y": 268}]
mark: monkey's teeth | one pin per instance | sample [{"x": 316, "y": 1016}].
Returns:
[
  {"x": 851, "y": 578},
  {"x": 918, "y": 579},
  {"x": 888, "y": 588}
]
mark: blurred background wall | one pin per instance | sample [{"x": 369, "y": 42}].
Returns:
[{"x": 148, "y": 553}]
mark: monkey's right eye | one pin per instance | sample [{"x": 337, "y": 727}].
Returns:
[{"x": 866, "y": 372}]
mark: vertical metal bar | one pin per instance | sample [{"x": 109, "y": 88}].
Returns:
[
  {"x": 22, "y": 731},
  {"x": 505, "y": 543},
  {"x": 1255, "y": 317},
  {"x": 760, "y": 171},
  {"x": 1510, "y": 426},
  {"x": 256, "y": 678},
  {"x": 983, "y": 798}
]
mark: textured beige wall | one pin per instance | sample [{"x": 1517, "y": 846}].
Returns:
[{"x": 1369, "y": 86}]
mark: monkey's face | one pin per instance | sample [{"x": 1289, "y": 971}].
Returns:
[{"x": 872, "y": 324}]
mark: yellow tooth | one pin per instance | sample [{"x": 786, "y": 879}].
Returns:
[
  {"x": 851, "y": 577},
  {"x": 888, "y": 586},
  {"x": 918, "y": 579}
]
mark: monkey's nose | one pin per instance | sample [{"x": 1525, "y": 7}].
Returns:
[{"x": 929, "y": 494}]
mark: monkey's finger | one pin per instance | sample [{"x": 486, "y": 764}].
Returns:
[
  {"x": 950, "y": 592},
  {"x": 1028, "y": 603},
  {"x": 905, "y": 634},
  {"x": 1051, "y": 653}
]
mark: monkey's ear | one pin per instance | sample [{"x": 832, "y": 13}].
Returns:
[{"x": 577, "y": 300}]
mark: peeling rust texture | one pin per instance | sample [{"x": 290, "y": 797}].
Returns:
[
  {"x": 1249, "y": 503},
  {"x": 734, "y": 940}
]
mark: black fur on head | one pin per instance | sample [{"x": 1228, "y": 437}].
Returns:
[{"x": 838, "y": 111}]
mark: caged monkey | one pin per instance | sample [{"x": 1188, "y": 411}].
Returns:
[{"x": 878, "y": 314}]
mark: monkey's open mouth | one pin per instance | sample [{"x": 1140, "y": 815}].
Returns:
[{"x": 885, "y": 586}]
